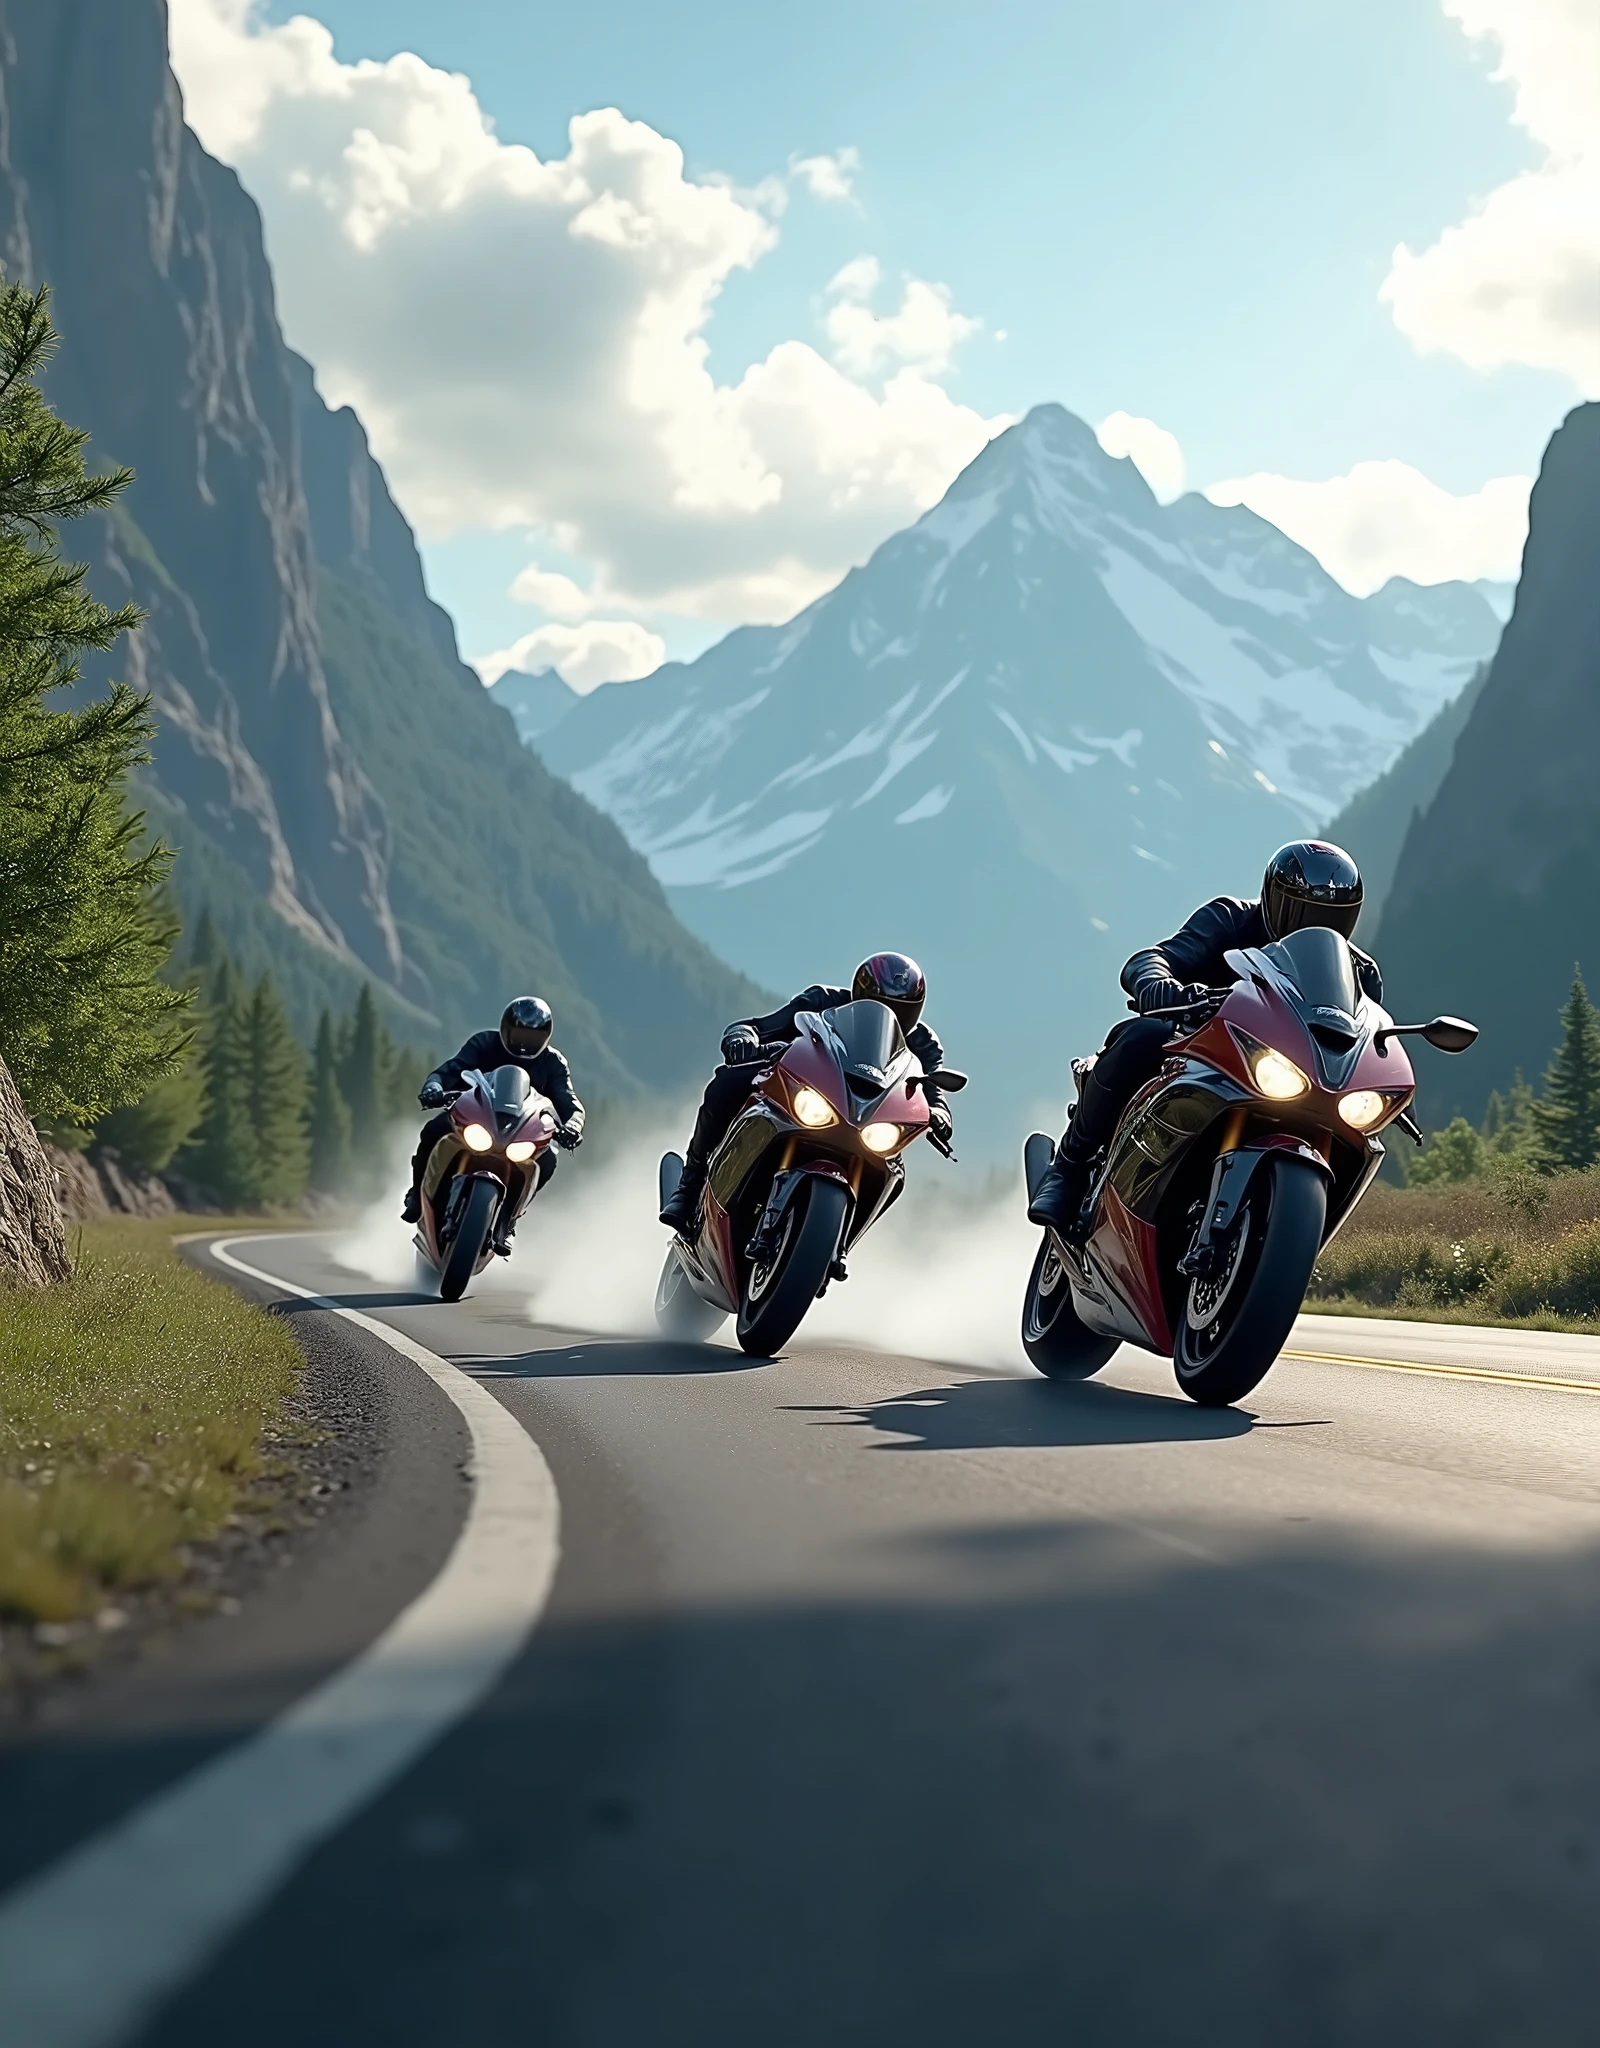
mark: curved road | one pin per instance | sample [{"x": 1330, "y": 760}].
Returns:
[{"x": 882, "y": 1702}]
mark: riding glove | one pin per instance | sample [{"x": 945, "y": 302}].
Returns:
[
  {"x": 568, "y": 1136},
  {"x": 431, "y": 1094}
]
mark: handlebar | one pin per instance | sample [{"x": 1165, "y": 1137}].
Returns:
[{"x": 1201, "y": 1002}]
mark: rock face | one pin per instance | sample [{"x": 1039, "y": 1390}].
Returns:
[
  {"x": 173, "y": 359},
  {"x": 346, "y": 799},
  {"x": 1497, "y": 892},
  {"x": 33, "y": 1245},
  {"x": 93, "y": 1185}
]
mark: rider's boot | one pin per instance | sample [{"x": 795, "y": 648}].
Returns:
[
  {"x": 505, "y": 1230},
  {"x": 411, "y": 1207},
  {"x": 683, "y": 1206},
  {"x": 680, "y": 1211},
  {"x": 1058, "y": 1202}
]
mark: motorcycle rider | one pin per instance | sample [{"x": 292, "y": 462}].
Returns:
[
  {"x": 1307, "y": 882},
  {"x": 892, "y": 979},
  {"x": 523, "y": 1040}
]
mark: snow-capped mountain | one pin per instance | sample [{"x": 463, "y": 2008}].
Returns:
[
  {"x": 1028, "y": 735},
  {"x": 537, "y": 699}
]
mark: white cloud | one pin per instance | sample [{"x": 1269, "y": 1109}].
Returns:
[
  {"x": 1518, "y": 280},
  {"x": 600, "y": 651},
  {"x": 924, "y": 332},
  {"x": 526, "y": 340},
  {"x": 828, "y": 177},
  {"x": 1386, "y": 519},
  {"x": 1155, "y": 453},
  {"x": 551, "y": 592}
]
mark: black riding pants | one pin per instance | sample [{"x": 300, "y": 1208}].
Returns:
[
  {"x": 1131, "y": 1055},
  {"x": 436, "y": 1127},
  {"x": 724, "y": 1098}
]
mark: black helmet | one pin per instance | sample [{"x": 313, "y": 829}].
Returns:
[
  {"x": 895, "y": 980},
  {"x": 526, "y": 1027},
  {"x": 1310, "y": 882}
]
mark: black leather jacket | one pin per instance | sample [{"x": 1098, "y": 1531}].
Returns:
[
  {"x": 547, "y": 1070},
  {"x": 1195, "y": 950},
  {"x": 779, "y": 1024}
]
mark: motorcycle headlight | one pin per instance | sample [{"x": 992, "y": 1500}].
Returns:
[
  {"x": 1362, "y": 1107},
  {"x": 1277, "y": 1076},
  {"x": 522, "y": 1151},
  {"x": 476, "y": 1137},
  {"x": 813, "y": 1109},
  {"x": 881, "y": 1137}
]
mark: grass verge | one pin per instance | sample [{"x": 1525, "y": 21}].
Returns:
[
  {"x": 1468, "y": 1253},
  {"x": 133, "y": 1402}
]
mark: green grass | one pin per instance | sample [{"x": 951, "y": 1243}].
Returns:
[
  {"x": 1462, "y": 1253},
  {"x": 133, "y": 1400}
]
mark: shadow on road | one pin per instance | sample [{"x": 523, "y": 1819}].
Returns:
[
  {"x": 609, "y": 1358},
  {"x": 399, "y": 1297},
  {"x": 1037, "y": 1414}
]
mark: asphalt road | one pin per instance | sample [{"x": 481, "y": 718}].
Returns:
[{"x": 882, "y": 1702}]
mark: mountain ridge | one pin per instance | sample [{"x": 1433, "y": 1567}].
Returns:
[
  {"x": 1007, "y": 738},
  {"x": 1497, "y": 891},
  {"x": 261, "y": 540}
]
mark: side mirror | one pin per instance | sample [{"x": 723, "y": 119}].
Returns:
[
  {"x": 1450, "y": 1034},
  {"x": 946, "y": 1078}
]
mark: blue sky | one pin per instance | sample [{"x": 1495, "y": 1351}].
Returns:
[{"x": 1186, "y": 213}]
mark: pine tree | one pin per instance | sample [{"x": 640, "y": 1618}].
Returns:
[
  {"x": 328, "y": 1115},
  {"x": 362, "y": 1077},
  {"x": 205, "y": 946},
  {"x": 224, "y": 1156},
  {"x": 86, "y": 1023},
  {"x": 1566, "y": 1118},
  {"x": 275, "y": 1093}
]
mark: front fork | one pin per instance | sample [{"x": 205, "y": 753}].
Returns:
[{"x": 1231, "y": 1176}]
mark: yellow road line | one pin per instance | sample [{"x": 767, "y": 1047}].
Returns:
[{"x": 1449, "y": 1372}]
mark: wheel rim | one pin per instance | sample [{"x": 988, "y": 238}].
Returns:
[
  {"x": 1211, "y": 1304},
  {"x": 1050, "y": 1291},
  {"x": 763, "y": 1275}
]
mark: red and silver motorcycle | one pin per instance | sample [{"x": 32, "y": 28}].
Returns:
[
  {"x": 482, "y": 1171},
  {"x": 1229, "y": 1172},
  {"x": 808, "y": 1165}
]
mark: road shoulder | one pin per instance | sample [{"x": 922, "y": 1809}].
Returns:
[{"x": 395, "y": 1460}]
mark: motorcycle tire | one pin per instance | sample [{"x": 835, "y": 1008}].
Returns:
[
  {"x": 466, "y": 1247},
  {"x": 1234, "y": 1325},
  {"x": 778, "y": 1294},
  {"x": 1058, "y": 1343},
  {"x": 681, "y": 1316}
]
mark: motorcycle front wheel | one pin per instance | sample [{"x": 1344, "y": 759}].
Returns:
[
  {"x": 1234, "y": 1324},
  {"x": 466, "y": 1247},
  {"x": 782, "y": 1288},
  {"x": 680, "y": 1313},
  {"x": 1058, "y": 1343}
]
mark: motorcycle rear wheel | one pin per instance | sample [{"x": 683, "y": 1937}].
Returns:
[
  {"x": 778, "y": 1294},
  {"x": 466, "y": 1247},
  {"x": 1058, "y": 1342},
  {"x": 1234, "y": 1325},
  {"x": 680, "y": 1313}
]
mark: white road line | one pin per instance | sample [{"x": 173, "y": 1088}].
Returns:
[{"x": 90, "y": 1946}]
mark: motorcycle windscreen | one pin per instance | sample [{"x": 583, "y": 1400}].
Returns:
[
  {"x": 1318, "y": 962},
  {"x": 509, "y": 1089},
  {"x": 870, "y": 1040}
]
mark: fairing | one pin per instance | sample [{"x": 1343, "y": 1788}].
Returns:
[{"x": 1298, "y": 996}]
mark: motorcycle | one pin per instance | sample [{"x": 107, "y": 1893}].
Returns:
[
  {"x": 1228, "y": 1173},
  {"x": 483, "y": 1169},
  {"x": 807, "y": 1167}
]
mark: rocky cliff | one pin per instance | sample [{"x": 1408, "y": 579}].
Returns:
[
  {"x": 258, "y": 524},
  {"x": 1497, "y": 890}
]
